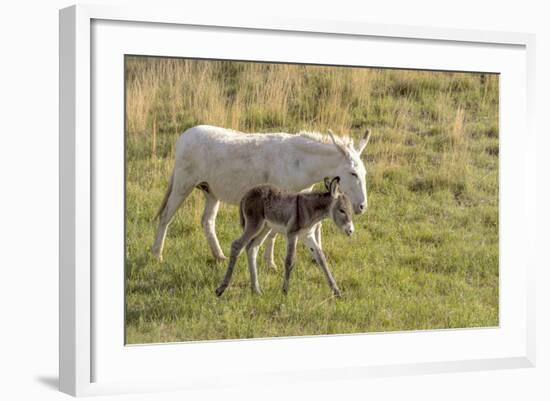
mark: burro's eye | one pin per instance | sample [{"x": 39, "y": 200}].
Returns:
[
  {"x": 342, "y": 211},
  {"x": 354, "y": 174}
]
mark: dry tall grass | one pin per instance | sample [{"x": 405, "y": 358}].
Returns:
[{"x": 167, "y": 96}]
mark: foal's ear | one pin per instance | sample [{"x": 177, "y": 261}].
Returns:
[
  {"x": 335, "y": 187},
  {"x": 327, "y": 183}
]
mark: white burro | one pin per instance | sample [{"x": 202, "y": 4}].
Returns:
[{"x": 224, "y": 164}]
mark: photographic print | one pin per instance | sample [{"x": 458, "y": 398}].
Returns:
[{"x": 270, "y": 199}]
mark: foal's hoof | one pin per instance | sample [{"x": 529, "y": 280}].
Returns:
[
  {"x": 157, "y": 255},
  {"x": 337, "y": 293}
]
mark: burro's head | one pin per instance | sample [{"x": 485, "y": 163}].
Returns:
[
  {"x": 340, "y": 208},
  {"x": 352, "y": 172}
]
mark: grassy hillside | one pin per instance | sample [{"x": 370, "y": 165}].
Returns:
[{"x": 424, "y": 256}]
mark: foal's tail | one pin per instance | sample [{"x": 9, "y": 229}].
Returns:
[
  {"x": 241, "y": 214},
  {"x": 166, "y": 196}
]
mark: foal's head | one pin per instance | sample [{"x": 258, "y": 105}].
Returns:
[{"x": 341, "y": 211}]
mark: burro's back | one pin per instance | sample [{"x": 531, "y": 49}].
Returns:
[
  {"x": 231, "y": 162},
  {"x": 265, "y": 208}
]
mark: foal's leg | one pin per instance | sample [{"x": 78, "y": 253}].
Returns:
[
  {"x": 269, "y": 250},
  {"x": 175, "y": 198},
  {"x": 309, "y": 240},
  {"x": 289, "y": 259},
  {"x": 251, "y": 229},
  {"x": 252, "y": 251},
  {"x": 208, "y": 221}
]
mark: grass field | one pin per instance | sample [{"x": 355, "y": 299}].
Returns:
[{"x": 424, "y": 256}]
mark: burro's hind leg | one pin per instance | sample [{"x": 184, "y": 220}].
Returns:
[
  {"x": 269, "y": 251},
  {"x": 309, "y": 240},
  {"x": 252, "y": 252},
  {"x": 178, "y": 192},
  {"x": 211, "y": 206},
  {"x": 289, "y": 259},
  {"x": 251, "y": 230}
]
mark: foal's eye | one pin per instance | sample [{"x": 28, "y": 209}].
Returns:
[
  {"x": 355, "y": 175},
  {"x": 342, "y": 211}
]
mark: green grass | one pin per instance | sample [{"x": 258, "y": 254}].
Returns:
[{"x": 424, "y": 256}]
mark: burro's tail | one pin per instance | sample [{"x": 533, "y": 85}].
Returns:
[{"x": 166, "y": 196}]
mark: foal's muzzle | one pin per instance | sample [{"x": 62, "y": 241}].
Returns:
[{"x": 348, "y": 229}]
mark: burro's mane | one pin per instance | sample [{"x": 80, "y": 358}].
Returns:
[
  {"x": 344, "y": 141},
  {"x": 324, "y": 139}
]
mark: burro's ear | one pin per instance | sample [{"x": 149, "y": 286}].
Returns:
[
  {"x": 327, "y": 183},
  {"x": 364, "y": 141},
  {"x": 339, "y": 146},
  {"x": 335, "y": 187}
]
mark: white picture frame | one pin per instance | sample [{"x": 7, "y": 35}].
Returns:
[{"x": 86, "y": 351}]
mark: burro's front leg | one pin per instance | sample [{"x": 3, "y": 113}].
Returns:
[
  {"x": 289, "y": 259},
  {"x": 316, "y": 229},
  {"x": 269, "y": 251},
  {"x": 318, "y": 235},
  {"x": 309, "y": 240}
]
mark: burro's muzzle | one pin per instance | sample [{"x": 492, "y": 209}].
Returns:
[{"x": 360, "y": 208}]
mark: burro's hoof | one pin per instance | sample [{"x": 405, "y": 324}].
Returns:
[
  {"x": 219, "y": 291},
  {"x": 272, "y": 267},
  {"x": 337, "y": 293}
]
